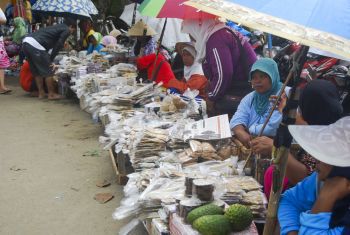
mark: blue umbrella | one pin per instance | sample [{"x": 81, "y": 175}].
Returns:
[
  {"x": 75, "y": 8},
  {"x": 323, "y": 24}
]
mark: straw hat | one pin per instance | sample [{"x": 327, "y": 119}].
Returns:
[
  {"x": 141, "y": 29},
  {"x": 115, "y": 33},
  {"x": 329, "y": 144}
]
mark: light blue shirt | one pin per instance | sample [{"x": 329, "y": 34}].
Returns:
[
  {"x": 247, "y": 116},
  {"x": 294, "y": 211}
]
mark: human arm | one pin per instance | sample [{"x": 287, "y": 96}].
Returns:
[
  {"x": 63, "y": 35},
  {"x": 240, "y": 121},
  {"x": 296, "y": 171},
  {"x": 196, "y": 82},
  {"x": 2, "y": 17},
  {"x": 270, "y": 128},
  {"x": 220, "y": 64},
  {"x": 295, "y": 201}
]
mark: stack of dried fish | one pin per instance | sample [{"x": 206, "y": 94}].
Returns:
[
  {"x": 94, "y": 67},
  {"x": 257, "y": 202},
  {"x": 146, "y": 147},
  {"x": 247, "y": 191}
]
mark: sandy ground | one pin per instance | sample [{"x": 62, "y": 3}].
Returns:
[{"x": 49, "y": 169}]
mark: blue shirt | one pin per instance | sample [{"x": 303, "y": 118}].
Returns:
[
  {"x": 294, "y": 211},
  {"x": 247, "y": 116},
  {"x": 97, "y": 48}
]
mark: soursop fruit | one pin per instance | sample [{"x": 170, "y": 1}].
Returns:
[
  {"x": 240, "y": 216},
  {"x": 212, "y": 225}
]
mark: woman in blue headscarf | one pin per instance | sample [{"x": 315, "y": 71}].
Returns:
[{"x": 255, "y": 107}]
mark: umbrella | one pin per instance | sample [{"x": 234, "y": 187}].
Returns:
[
  {"x": 76, "y": 8},
  {"x": 172, "y": 34},
  {"x": 171, "y": 9},
  {"x": 323, "y": 24}
]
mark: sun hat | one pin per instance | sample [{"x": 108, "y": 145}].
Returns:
[
  {"x": 141, "y": 29},
  {"x": 329, "y": 144}
]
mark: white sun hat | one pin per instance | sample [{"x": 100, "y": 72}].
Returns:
[{"x": 329, "y": 144}]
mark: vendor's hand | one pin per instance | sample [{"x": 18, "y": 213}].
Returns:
[
  {"x": 262, "y": 145},
  {"x": 54, "y": 67},
  {"x": 281, "y": 103},
  {"x": 210, "y": 106},
  {"x": 333, "y": 189}
]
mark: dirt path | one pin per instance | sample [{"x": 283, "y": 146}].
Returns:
[{"x": 50, "y": 162}]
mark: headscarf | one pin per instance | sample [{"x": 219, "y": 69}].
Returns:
[
  {"x": 261, "y": 101},
  {"x": 98, "y": 37},
  {"x": 108, "y": 40},
  {"x": 320, "y": 103},
  {"x": 196, "y": 68},
  {"x": 201, "y": 32},
  {"x": 86, "y": 41},
  {"x": 20, "y": 30}
]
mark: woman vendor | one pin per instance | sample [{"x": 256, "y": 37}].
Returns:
[
  {"x": 161, "y": 72},
  {"x": 193, "y": 78},
  {"x": 87, "y": 30},
  {"x": 145, "y": 43},
  {"x": 320, "y": 204},
  {"x": 95, "y": 43},
  {"x": 254, "y": 108},
  {"x": 226, "y": 57}
]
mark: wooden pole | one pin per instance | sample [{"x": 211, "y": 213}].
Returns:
[{"x": 158, "y": 50}]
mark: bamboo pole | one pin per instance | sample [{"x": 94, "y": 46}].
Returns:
[{"x": 282, "y": 142}]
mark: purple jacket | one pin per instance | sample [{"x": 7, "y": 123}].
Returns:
[{"x": 222, "y": 66}]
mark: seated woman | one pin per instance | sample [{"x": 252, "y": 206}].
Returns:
[
  {"x": 13, "y": 43},
  {"x": 319, "y": 104},
  {"x": 320, "y": 204},
  {"x": 161, "y": 72},
  {"x": 145, "y": 43},
  {"x": 255, "y": 107},
  {"x": 194, "y": 78},
  {"x": 87, "y": 31},
  {"x": 95, "y": 44}
]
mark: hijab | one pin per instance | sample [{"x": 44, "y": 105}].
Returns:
[
  {"x": 20, "y": 30},
  {"x": 109, "y": 40},
  {"x": 261, "y": 101},
  {"x": 201, "y": 32},
  {"x": 320, "y": 103},
  {"x": 196, "y": 68}
]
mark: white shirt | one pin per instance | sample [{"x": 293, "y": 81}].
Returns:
[{"x": 34, "y": 43}]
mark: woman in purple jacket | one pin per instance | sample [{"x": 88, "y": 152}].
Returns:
[{"x": 226, "y": 57}]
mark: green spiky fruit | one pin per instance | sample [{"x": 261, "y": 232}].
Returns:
[
  {"x": 240, "y": 216},
  {"x": 209, "y": 209},
  {"x": 212, "y": 225}
]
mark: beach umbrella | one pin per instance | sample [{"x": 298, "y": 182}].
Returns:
[
  {"x": 322, "y": 24},
  {"x": 171, "y": 9},
  {"x": 66, "y": 8}
]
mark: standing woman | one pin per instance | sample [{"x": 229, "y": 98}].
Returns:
[
  {"x": 226, "y": 57},
  {"x": 4, "y": 59}
]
